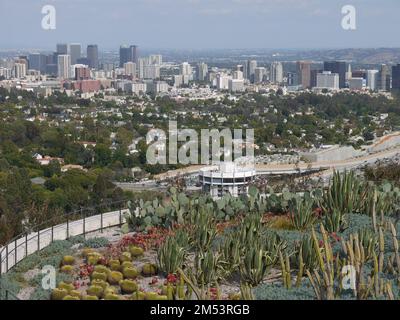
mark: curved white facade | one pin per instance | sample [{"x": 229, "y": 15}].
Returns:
[{"x": 226, "y": 178}]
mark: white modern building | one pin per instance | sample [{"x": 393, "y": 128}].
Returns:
[
  {"x": 227, "y": 177},
  {"x": 328, "y": 80},
  {"x": 236, "y": 85},
  {"x": 276, "y": 74},
  {"x": 130, "y": 69},
  {"x": 372, "y": 79},
  {"x": 64, "y": 66},
  {"x": 357, "y": 83}
]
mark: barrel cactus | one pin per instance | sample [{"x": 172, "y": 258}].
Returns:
[
  {"x": 59, "y": 294},
  {"x": 149, "y": 269},
  {"x": 67, "y": 286},
  {"x": 125, "y": 256},
  {"x": 128, "y": 286},
  {"x": 99, "y": 275},
  {"x": 100, "y": 283},
  {"x": 130, "y": 273},
  {"x": 115, "y": 277},
  {"x": 68, "y": 260},
  {"x": 67, "y": 269},
  {"x": 95, "y": 291},
  {"x": 136, "y": 251},
  {"x": 71, "y": 298},
  {"x": 87, "y": 297}
]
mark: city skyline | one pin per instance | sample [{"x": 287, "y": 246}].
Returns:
[{"x": 185, "y": 24}]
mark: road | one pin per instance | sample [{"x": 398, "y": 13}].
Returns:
[{"x": 328, "y": 166}]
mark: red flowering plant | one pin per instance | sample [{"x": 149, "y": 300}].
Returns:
[
  {"x": 85, "y": 270},
  {"x": 171, "y": 279}
]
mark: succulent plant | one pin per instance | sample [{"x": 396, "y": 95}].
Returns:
[
  {"x": 100, "y": 283},
  {"x": 59, "y": 294},
  {"x": 138, "y": 295},
  {"x": 71, "y": 298},
  {"x": 67, "y": 286},
  {"x": 130, "y": 273},
  {"x": 170, "y": 256},
  {"x": 112, "y": 296},
  {"x": 136, "y": 251},
  {"x": 128, "y": 286},
  {"x": 99, "y": 276},
  {"x": 149, "y": 269},
  {"x": 68, "y": 260},
  {"x": 114, "y": 264},
  {"x": 115, "y": 277},
  {"x": 67, "y": 269},
  {"x": 95, "y": 290},
  {"x": 101, "y": 269},
  {"x": 125, "y": 256}
]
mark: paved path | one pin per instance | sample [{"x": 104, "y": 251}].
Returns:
[{"x": 36, "y": 241}]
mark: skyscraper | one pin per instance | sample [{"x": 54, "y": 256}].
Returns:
[
  {"x": 93, "y": 56},
  {"x": 75, "y": 52},
  {"x": 38, "y": 61},
  {"x": 276, "y": 74},
  {"x": 135, "y": 54},
  {"x": 124, "y": 55},
  {"x": 64, "y": 66},
  {"x": 249, "y": 68},
  {"x": 304, "y": 73},
  {"x": 372, "y": 79},
  {"x": 202, "y": 70},
  {"x": 130, "y": 69},
  {"x": 155, "y": 59},
  {"x": 396, "y": 77},
  {"x": 384, "y": 78},
  {"x": 337, "y": 67},
  {"x": 62, "y": 48}
]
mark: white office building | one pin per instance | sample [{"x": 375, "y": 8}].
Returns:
[
  {"x": 328, "y": 80},
  {"x": 276, "y": 74},
  {"x": 259, "y": 74},
  {"x": 357, "y": 83},
  {"x": 372, "y": 79},
  {"x": 19, "y": 70},
  {"x": 130, "y": 69},
  {"x": 64, "y": 66},
  {"x": 236, "y": 85}
]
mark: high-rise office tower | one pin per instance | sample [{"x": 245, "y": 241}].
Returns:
[
  {"x": 135, "y": 54},
  {"x": 338, "y": 67},
  {"x": 304, "y": 73},
  {"x": 202, "y": 71},
  {"x": 124, "y": 55},
  {"x": 185, "y": 69},
  {"x": 75, "y": 52},
  {"x": 327, "y": 80},
  {"x": 384, "y": 78},
  {"x": 276, "y": 74},
  {"x": 64, "y": 66},
  {"x": 38, "y": 61},
  {"x": 372, "y": 79},
  {"x": 62, "y": 48},
  {"x": 249, "y": 68},
  {"x": 82, "y": 73},
  {"x": 259, "y": 74},
  {"x": 396, "y": 77},
  {"x": 93, "y": 56}
]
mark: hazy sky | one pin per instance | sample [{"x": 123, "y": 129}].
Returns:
[{"x": 201, "y": 24}]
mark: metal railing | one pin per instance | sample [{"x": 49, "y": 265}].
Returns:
[{"x": 44, "y": 234}]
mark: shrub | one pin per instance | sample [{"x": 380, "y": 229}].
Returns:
[{"x": 96, "y": 243}]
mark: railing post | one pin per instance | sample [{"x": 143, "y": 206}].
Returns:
[
  {"x": 16, "y": 253},
  {"x": 120, "y": 216},
  {"x": 101, "y": 222},
  {"x": 67, "y": 227},
  {"x": 26, "y": 244},
  {"x": 84, "y": 225},
  {"x": 38, "y": 240},
  {"x": 7, "y": 257},
  {"x": 52, "y": 233}
]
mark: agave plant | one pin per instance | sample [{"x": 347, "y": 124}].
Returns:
[
  {"x": 302, "y": 215},
  {"x": 171, "y": 256},
  {"x": 256, "y": 265}
]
